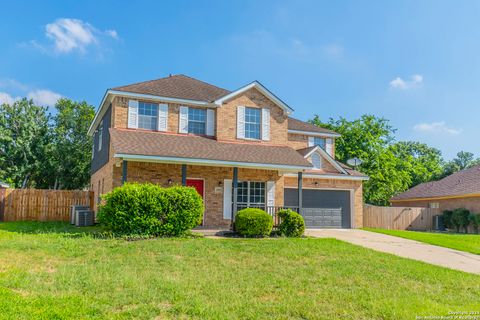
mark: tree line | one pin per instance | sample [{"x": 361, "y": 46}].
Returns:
[
  {"x": 39, "y": 149},
  {"x": 393, "y": 166},
  {"x": 44, "y": 150}
]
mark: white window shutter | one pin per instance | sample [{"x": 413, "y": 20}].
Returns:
[
  {"x": 210, "y": 122},
  {"x": 311, "y": 141},
  {"x": 271, "y": 193},
  {"x": 329, "y": 146},
  {"x": 265, "y": 124},
  {"x": 132, "y": 114},
  {"x": 316, "y": 161},
  {"x": 227, "y": 199},
  {"x": 183, "y": 120},
  {"x": 163, "y": 117},
  {"x": 240, "y": 122}
]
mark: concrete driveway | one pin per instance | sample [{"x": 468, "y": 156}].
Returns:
[{"x": 444, "y": 257}]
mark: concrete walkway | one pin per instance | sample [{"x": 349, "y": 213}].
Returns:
[{"x": 444, "y": 257}]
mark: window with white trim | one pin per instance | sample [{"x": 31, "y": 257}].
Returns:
[
  {"x": 100, "y": 135},
  {"x": 147, "y": 115},
  {"x": 250, "y": 194},
  {"x": 316, "y": 161},
  {"x": 197, "y": 121},
  {"x": 321, "y": 142},
  {"x": 253, "y": 120}
]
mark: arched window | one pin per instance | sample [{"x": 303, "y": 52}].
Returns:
[{"x": 316, "y": 161}]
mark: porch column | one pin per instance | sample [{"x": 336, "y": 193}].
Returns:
[
  {"x": 124, "y": 171},
  {"x": 184, "y": 175},
  {"x": 235, "y": 192},
  {"x": 300, "y": 200}
]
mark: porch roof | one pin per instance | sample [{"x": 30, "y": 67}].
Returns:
[{"x": 148, "y": 145}]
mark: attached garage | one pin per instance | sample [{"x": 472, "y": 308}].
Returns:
[{"x": 322, "y": 208}]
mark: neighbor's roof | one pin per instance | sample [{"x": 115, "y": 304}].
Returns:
[
  {"x": 461, "y": 183},
  {"x": 298, "y": 125},
  {"x": 177, "y": 86},
  {"x": 148, "y": 143}
]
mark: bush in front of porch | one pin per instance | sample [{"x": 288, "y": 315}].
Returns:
[
  {"x": 253, "y": 222},
  {"x": 292, "y": 224},
  {"x": 150, "y": 210}
]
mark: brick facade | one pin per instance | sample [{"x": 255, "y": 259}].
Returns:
[
  {"x": 227, "y": 117},
  {"x": 110, "y": 175}
]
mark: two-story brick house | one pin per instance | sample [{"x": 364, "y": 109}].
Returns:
[{"x": 237, "y": 148}]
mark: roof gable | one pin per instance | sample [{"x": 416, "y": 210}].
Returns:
[
  {"x": 262, "y": 89},
  {"x": 307, "y": 152}
]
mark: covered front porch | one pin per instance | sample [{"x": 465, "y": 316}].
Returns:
[{"x": 225, "y": 190}]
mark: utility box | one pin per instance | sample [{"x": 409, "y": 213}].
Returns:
[
  {"x": 84, "y": 218},
  {"x": 75, "y": 208},
  {"x": 438, "y": 223}
]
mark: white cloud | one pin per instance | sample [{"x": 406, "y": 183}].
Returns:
[
  {"x": 436, "y": 127},
  {"x": 70, "y": 35},
  {"x": 14, "y": 90},
  {"x": 333, "y": 50},
  {"x": 415, "y": 81},
  {"x": 44, "y": 97},
  {"x": 6, "y": 98}
]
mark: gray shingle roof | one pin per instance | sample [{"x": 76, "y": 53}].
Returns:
[
  {"x": 295, "y": 124},
  {"x": 136, "y": 142},
  {"x": 460, "y": 183},
  {"x": 177, "y": 86}
]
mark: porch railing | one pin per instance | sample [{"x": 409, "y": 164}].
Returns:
[{"x": 271, "y": 210}]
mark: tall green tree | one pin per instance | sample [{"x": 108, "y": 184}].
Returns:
[
  {"x": 72, "y": 147},
  {"x": 422, "y": 162},
  {"x": 24, "y": 143},
  {"x": 392, "y": 167},
  {"x": 464, "y": 160}
]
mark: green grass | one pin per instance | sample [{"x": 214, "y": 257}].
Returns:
[
  {"x": 47, "y": 271},
  {"x": 462, "y": 242}
]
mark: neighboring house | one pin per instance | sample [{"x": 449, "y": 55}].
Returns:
[
  {"x": 459, "y": 190},
  {"x": 181, "y": 131}
]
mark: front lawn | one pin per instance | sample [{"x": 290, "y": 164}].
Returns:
[
  {"x": 462, "y": 242},
  {"x": 59, "y": 274}
]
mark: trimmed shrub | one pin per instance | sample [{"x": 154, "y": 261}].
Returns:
[
  {"x": 460, "y": 218},
  {"x": 474, "y": 220},
  {"x": 253, "y": 222},
  {"x": 292, "y": 225},
  {"x": 447, "y": 219},
  {"x": 148, "y": 209}
]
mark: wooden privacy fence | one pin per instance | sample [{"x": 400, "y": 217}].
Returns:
[
  {"x": 399, "y": 218},
  {"x": 41, "y": 205}
]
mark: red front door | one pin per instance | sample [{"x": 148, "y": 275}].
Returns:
[{"x": 197, "y": 184}]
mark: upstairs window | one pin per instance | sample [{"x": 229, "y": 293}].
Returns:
[
  {"x": 316, "y": 161},
  {"x": 319, "y": 142},
  {"x": 252, "y": 123},
  {"x": 197, "y": 119},
  {"x": 100, "y": 135},
  {"x": 147, "y": 115}
]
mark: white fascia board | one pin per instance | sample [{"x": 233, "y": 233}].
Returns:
[
  {"x": 109, "y": 94},
  {"x": 329, "y": 158},
  {"x": 316, "y": 134},
  {"x": 208, "y": 162},
  {"x": 257, "y": 85},
  {"x": 328, "y": 176}
]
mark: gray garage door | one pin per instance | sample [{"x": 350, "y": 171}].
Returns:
[{"x": 322, "y": 208}]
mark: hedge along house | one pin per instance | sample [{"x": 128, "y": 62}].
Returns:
[
  {"x": 237, "y": 148},
  {"x": 458, "y": 190}
]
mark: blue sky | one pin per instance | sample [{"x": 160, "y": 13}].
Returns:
[{"x": 416, "y": 63}]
